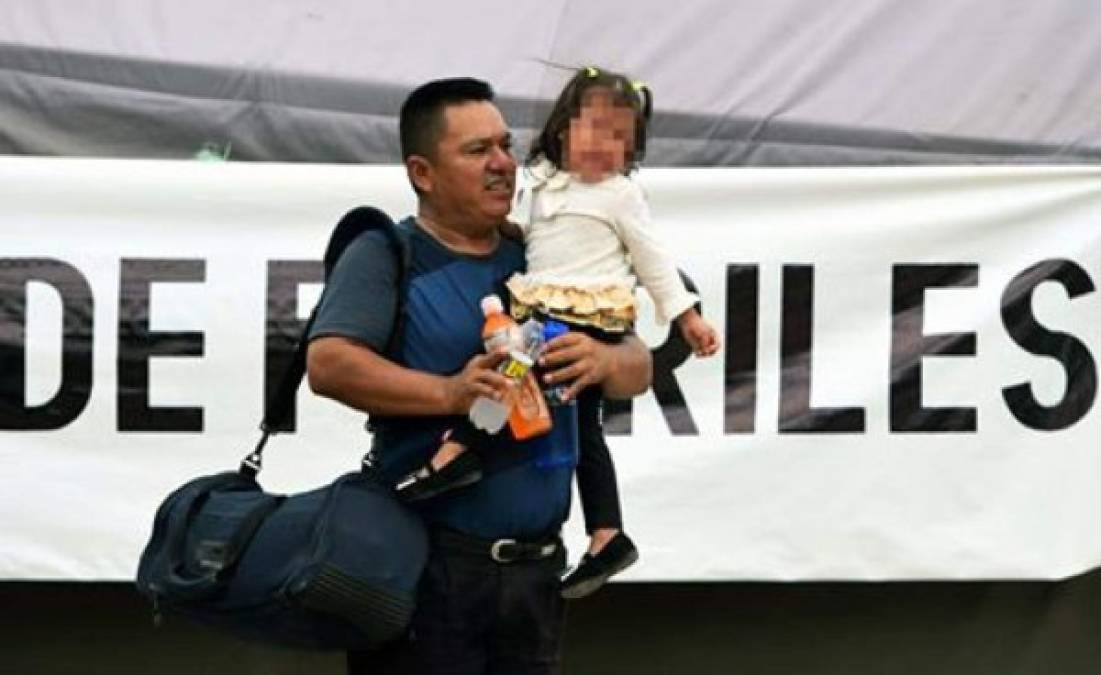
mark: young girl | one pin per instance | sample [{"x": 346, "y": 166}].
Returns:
[{"x": 587, "y": 236}]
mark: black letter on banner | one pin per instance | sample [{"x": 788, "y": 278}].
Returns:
[
  {"x": 909, "y": 344},
  {"x": 667, "y": 357},
  {"x": 137, "y": 344},
  {"x": 283, "y": 325},
  {"x": 796, "y": 339},
  {"x": 740, "y": 383},
  {"x": 76, "y": 343},
  {"x": 1075, "y": 358}
]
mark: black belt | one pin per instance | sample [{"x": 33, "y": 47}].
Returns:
[{"x": 499, "y": 550}]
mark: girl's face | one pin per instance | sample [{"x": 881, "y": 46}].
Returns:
[{"x": 599, "y": 138}]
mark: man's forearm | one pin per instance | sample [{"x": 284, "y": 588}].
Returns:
[
  {"x": 351, "y": 373},
  {"x": 631, "y": 370}
]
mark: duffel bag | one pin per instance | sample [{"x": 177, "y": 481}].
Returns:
[{"x": 334, "y": 568}]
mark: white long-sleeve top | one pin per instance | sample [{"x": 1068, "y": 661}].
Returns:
[{"x": 590, "y": 234}]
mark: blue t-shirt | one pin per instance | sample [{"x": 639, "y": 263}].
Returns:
[{"x": 442, "y": 324}]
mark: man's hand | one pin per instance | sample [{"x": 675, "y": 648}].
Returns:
[
  {"x": 479, "y": 377},
  {"x": 577, "y": 359}
]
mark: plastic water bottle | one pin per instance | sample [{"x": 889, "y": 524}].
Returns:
[
  {"x": 499, "y": 331},
  {"x": 551, "y": 330},
  {"x": 561, "y": 446},
  {"x": 488, "y": 415},
  {"x": 530, "y": 416},
  {"x": 532, "y": 335}
]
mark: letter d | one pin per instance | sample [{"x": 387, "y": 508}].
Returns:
[{"x": 76, "y": 346}]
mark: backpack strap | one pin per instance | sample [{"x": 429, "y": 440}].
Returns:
[{"x": 354, "y": 224}]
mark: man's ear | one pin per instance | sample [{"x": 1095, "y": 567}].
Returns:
[{"x": 420, "y": 173}]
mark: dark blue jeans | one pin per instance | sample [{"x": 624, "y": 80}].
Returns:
[{"x": 478, "y": 617}]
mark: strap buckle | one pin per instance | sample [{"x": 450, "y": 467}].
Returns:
[
  {"x": 495, "y": 551},
  {"x": 510, "y": 551},
  {"x": 211, "y": 554},
  {"x": 254, "y": 461}
]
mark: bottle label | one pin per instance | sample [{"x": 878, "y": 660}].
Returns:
[
  {"x": 527, "y": 403},
  {"x": 514, "y": 368},
  {"x": 530, "y": 416},
  {"x": 531, "y": 404}
]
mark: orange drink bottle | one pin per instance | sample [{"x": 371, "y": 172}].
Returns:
[
  {"x": 499, "y": 330},
  {"x": 530, "y": 416}
]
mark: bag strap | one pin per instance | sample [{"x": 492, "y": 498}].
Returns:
[{"x": 354, "y": 223}]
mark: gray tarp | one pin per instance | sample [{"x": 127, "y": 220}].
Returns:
[{"x": 737, "y": 82}]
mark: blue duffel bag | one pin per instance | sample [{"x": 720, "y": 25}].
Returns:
[{"x": 332, "y": 568}]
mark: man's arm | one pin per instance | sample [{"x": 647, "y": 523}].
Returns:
[
  {"x": 352, "y": 373},
  {"x": 623, "y": 370},
  {"x": 631, "y": 371}
]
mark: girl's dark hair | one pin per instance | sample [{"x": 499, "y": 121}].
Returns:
[{"x": 634, "y": 95}]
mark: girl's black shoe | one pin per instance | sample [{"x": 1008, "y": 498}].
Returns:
[
  {"x": 594, "y": 570},
  {"x": 428, "y": 481}
]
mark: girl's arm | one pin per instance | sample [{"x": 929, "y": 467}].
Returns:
[
  {"x": 658, "y": 274},
  {"x": 652, "y": 265}
]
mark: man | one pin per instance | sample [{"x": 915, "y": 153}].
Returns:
[{"x": 488, "y": 601}]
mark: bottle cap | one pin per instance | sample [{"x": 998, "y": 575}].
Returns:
[
  {"x": 491, "y": 304},
  {"x": 552, "y": 329}
]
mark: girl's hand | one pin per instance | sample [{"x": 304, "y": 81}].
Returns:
[{"x": 700, "y": 335}]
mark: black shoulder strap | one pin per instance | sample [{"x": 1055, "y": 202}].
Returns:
[
  {"x": 399, "y": 238},
  {"x": 354, "y": 223}
]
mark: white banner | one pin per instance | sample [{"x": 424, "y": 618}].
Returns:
[{"x": 906, "y": 388}]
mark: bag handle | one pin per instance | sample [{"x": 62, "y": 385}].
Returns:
[
  {"x": 185, "y": 586},
  {"x": 352, "y": 225}
]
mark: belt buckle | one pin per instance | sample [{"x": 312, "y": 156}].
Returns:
[{"x": 495, "y": 550}]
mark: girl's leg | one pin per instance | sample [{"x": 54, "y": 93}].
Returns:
[
  {"x": 596, "y": 479},
  {"x": 610, "y": 550},
  {"x": 458, "y": 462}
]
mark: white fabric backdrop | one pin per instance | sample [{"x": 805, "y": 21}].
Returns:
[{"x": 1005, "y": 502}]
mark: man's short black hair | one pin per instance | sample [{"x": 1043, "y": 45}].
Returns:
[{"x": 421, "y": 123}]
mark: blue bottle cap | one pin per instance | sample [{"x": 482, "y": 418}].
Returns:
[{"x": 552, "y": 329}]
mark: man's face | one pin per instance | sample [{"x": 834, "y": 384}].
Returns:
[{"x": 470, "y": 181}]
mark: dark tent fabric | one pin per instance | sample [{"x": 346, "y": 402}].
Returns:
[{"x": 789, "y": 82}]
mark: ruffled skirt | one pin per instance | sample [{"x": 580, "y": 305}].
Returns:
[{"x": 607, "y": 304}]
